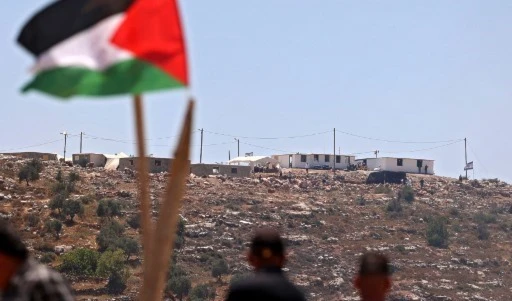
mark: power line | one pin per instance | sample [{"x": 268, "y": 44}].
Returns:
[
  {"x": 410, "y": 151},
  {"x": 477, "y": 159},
  {"x": 268, "y": 138},
  {"x": 268, "y": 148},
  {"x": 397, "y": 141},
  {"x": 30, "y": 146}
]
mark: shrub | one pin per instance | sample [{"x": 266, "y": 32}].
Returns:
[
  {"x": 30, "y": 171},
  {"x": 360, "y": 201},
  {"x": 111, "y": 264},
  {"x": 401, "y": 249},
  {"x": 407, "y": 194},
  {"x": 238, "y": 278},
  {"x": 33, "y": 220},
  {"x": 109, "y": 235},
  {"x": 483, "y": 232},
  {"x": 80, "y": 262},
  {"x": 108, "y": 208},
  {"x": 59, "y": 177},
  {"x": 129, "y": 245},
  {"x": 202, "y": 292},
  {"x": 83, "y": 162},
  {"x": 179, "y": 241},
  {"x": 53, "y": 227},
  {"x": 394, "y": 206},
  {"x": 179, "y": 285},
  {"x": 73, "y": 207},
  {"x": 57, "y": 201},
  {"x": 48, "y": 257},
  {"x": 437, "y": 232},
  {"x": 484, "y": 218},
  {"x": 454, "y": 211},
  {"x": 383, "y": 189},
  {"x": 134, "y": 221},
  {"x": 44, "y": 247},
  {"x": 219, "y": 268},
  {"x": 87, "y": 199},
  {"x": 73, "y": 177}
]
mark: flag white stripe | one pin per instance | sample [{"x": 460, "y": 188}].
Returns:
[{"x": 91, "y": 48}]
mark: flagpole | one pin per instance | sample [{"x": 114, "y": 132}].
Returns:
[
  {"x": 143, "y": 180},
  {"x": 166, "y": 226}
]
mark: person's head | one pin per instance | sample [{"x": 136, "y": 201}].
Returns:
[
  {"x": 12, "y": 253},
  {"x": 373, "y": 281},
  {"x": 267, "y": 249}
]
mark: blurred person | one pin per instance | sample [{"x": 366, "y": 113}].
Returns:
[
  {"x": 373, "y": 280},
  {"x": 269, "y": 283},
  {"x": 21, "y": 277}
]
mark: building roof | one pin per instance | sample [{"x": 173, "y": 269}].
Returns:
[
  {"x": 395, "y": 158},
  {"x": 253, "y": 159},
  {"x": 310, "y": 154}
]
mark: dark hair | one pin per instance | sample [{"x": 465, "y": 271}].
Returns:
[
  {"x": 10, "y": 242},
  {"x": 374, "y": 264},
  {"x": 267, "y": 243}
]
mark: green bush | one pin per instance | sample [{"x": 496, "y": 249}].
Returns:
[
  {"x": 73, "y": 207},
  {"x": 87, "y": 199},
  {"x": 80, "y": 262},
  {"x": 178, "y": 283},
  {"x": 57, "y": 201},
  {"x": 219, "y": 268},
  {"x": 437, "y": 232},
  {"x": 454, "y": 211},
  {"x": 73, "y": 177},
  {"x": 202, "y": 292},
  {"x": 53, "y": 227},
  {"x": 485, "y": 218},
  {"x": 30, "y": 171},
  {"x": 407, "y": 194},
  {"x": 394, "y": 206},
  {"x": 134, "y": 221},
  {"x": 129, "y": 245},
  {"x": 109, "y": 235},
  {"x": 112, "y": 265},
  {"x": 483, "y": 232},
  {"x": 48, "y": 257},
  {"x": 33, "y": 220},
  {"x": 236, "y": 278},
  {"x": 360, "y": 201},
  {"x": 108, "y": 208}
]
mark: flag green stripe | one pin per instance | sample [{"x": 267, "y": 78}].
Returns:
[{"x": 126, "y": 77}]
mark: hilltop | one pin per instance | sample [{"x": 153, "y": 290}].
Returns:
[{"x": 328, "y": 221}]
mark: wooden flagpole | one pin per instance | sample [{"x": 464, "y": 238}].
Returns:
[
  {"x": 143, "y": 181},
  {"x": 165, "y": 232}
]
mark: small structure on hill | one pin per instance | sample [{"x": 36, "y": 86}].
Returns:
[
  {"x": 407, "y": 165},
  {"x": 315, "y": 161},
  {"x": 257, "y": 163},
  {"x": 34, "y": 155},
  {"x": 234, "y": 171},
  {"x": 156, "y": 165}
]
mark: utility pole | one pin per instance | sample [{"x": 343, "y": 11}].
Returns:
[
  {"x": 65, "y": 143},
  {"x": 81, "y": 135},
  {"x": 201, "y": 152},
  {"x": 466, "y": 156},
  {"x": 334, "y": 152},
  {"x": 376, "y": 153},
  {"x": 238, "y": 141}
]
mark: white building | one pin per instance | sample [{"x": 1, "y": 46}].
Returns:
[
  {"x": 407, "y": 165},
  {"x": 300, "y": 160}
]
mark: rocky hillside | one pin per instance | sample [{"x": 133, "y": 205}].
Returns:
[{"x": 449, "y": 240}]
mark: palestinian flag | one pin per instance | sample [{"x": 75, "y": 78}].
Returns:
[{"x": 106, "y": 47}]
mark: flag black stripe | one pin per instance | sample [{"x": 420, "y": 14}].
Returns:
[{"x": 65, "y": 18}]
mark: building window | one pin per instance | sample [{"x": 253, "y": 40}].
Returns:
[
  {"x": 76, "y": 158},
  {"x": 131, "y": 162},
  {"x": 327, "y": 158},
  {"x": 399, "y": 162},
  {"x": 215, "y": 170},
  {"x": 338, "y": 159},
  {"x": 303, "y": 158},
  {"x": 158, "y": 163},
  {"x": 234, "y": 170},
  {"x": 315, "y": 158},
  {"x": 419, "y": 163}
]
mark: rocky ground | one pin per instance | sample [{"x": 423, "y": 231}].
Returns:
[{"x": 327, "y": 222}]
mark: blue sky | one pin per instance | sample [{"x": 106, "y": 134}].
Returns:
[{"x": 393, "y": 70}]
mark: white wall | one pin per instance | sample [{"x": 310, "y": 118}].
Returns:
[
  {"x": 408, "y": 166},
  {"x": 310, "y": 158}
]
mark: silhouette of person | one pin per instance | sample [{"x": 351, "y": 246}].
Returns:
[
  {"x": 373, "y": 280},
  {"x": 269, "y": 283},
  {"x": 22, "y": 278}
]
